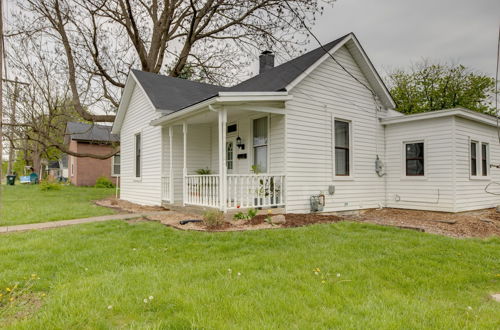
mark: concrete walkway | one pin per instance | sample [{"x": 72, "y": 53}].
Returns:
[{"x": 63, "y": 223}]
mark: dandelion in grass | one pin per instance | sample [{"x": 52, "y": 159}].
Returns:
[
  {"x": 7, "y": 289},
  {"x": 338, "y": 274},
  {"x": 469, "y": 308},
  {"x": 239, "y": 274},
  {"x": 146, "y": 300},
  {"x": 110, "y": 307},
  {"x": 151, "y": 297}
]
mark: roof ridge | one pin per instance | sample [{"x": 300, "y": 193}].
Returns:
[{"x": 164, "y": 76}]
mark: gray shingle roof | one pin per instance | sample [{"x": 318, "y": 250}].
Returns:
[
  {"x": 169, "y": 93},
  {"x": 90, "y": 132},
  {"x": 277, "y": 78}
]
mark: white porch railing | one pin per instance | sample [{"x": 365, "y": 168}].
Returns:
[
  {"x": 165, "y": 189},
  {"x": 255, "y": 190},
  {"x": 202, "y": 190}
]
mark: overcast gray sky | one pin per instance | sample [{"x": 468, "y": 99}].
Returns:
[{"x": 396, "y": 32}]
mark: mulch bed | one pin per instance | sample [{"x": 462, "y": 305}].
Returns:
[
  {"x": 481, "y": 223},
  {"x": 298, "y": 220}
]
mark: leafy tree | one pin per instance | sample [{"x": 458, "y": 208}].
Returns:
[{"x": 429, "y": 87}]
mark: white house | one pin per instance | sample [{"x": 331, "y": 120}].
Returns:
[{"x": 321, "y": 124}]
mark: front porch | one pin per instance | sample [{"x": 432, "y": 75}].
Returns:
[{"x": 225, "y": 158}]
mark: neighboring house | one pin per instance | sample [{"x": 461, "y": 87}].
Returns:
[
  {"x": 91, "y": 139},
  {"x": 315, "y": 125},
  {"x": 58, "y": 169}
]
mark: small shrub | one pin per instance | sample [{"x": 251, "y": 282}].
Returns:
[
  {"x": 213, "y": 218},
  {"x": 103, "y": 182},
  {"x": 245, "y": 216},
  {"x": 251, "y": 213},
  {"x": 203, "y": 171},
  {"x": 49, "y": 186},
  {"x": 240, "y": 216}
]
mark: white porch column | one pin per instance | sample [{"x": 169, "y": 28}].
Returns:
[
  {"x": 184, "y": 168},
  {"x": 222, "y": 159},
  {"x": 171, "y": 166}
]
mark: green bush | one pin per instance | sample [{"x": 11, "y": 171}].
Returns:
[
  {"x": 213, "y": 218},
  {"x": 245, "y": 216},
  {"x": 49, "y": 186},
  {"x": 203, "y": 171},
  {"x": 103, "y": 182}
]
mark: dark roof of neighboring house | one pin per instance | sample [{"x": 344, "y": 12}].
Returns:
[
  {"x": 90, "y": 132},
  {"x": 169, "y": 93}
]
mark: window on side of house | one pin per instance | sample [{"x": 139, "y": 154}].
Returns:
[
  {"x": 115, "y": 165},
  {"x": 137, "y": 149},
  {"x": 484, "y": 159},
  {"x": 260, "y": 133},
  {"x": 342, "y": 148},
  {"x": 473, "y": 158},
  {"x": 414, "y": 162}
]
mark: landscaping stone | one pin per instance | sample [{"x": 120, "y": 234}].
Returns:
[
  {"x": 496, "y": 296},
  {"x": 278, "y": 219}
]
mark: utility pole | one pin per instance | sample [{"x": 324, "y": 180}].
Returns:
[
  {"x": 12, "y": 153},
  {"x": 1, "y": 89}
]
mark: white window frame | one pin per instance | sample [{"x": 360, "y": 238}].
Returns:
[
  {"x": 113, "y": 174},
  {"x": 138, "y": 178},
  {"x": 479, "y": 157},
  {"x": 487, "y": 176},
  {"x": 251, "y": 150},
  {"x": 351, "y": 151},
  {"x": 403, "y": 160}
]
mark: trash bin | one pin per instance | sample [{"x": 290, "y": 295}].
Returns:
[{"x": 11, "y": 180}]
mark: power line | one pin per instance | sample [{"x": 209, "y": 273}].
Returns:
[{"x": 326, "y": 50}]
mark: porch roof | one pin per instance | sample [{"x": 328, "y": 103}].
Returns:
[{"x": 270, "y": 102}]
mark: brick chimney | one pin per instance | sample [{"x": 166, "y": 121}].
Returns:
[{"x": 266, "y": 61}]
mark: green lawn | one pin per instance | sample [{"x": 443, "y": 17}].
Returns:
[
  {"x": 22, "y": 204},
  {"x": 388, "y": 278}
]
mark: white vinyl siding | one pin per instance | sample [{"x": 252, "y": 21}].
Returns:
[
  {"x": 146, "y": 190},
  {"x": 434, "y": 190},
  {"x": 329, "y": 93},
  {"x": 470, "y": 190}
]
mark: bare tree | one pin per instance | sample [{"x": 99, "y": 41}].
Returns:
[{"x": 94, "y": 43}]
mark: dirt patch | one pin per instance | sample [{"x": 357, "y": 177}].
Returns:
[
  {"x": 124, "y": 206},
  {"x": 23, "y": 307},
  {"x": 482, "y": 223}
]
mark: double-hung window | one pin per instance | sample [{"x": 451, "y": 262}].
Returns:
[
  {"x": 342, "y": 148},
  {"x": 260, "y": 140},
  {"x": 479, "y": 159},
  {"x": 137, "y": 151},
  {"x": 473, "y": 158},
  {"x": 115, "y": 165},
  {"x": 414, "y": 159},
  {"x": 484, "y": 159}
]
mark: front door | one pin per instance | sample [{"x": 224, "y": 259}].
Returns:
[{"x": 230, "y": 143}]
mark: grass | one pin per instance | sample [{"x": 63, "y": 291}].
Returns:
[
  {"x": 389, "y": 278},
  {"x": 21, "y": 204}
]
